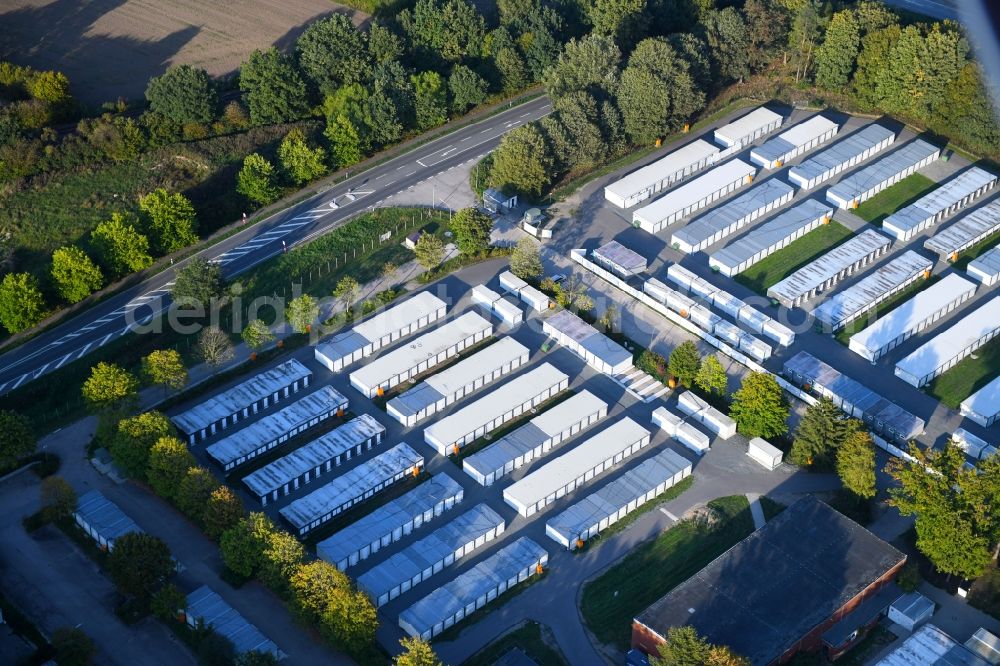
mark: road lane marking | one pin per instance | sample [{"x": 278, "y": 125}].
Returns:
[{"x": 668, "y": 514}]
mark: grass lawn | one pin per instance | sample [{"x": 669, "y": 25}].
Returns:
[
  {"x": 970, "y": 375},
  {"x": 528, "y": 637},
  {"x": 654, "y": 568},
  {"x": 888, "y": 201},
  {"x": 491, "y": 437},
  {"x": 843, "y": 336},
  {"x": 786, "y": 261}
]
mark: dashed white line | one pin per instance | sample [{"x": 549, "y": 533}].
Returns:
[{"x": 668, "y": 514}]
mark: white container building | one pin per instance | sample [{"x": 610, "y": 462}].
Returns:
[
  {"x": 939, "y": 203},
  {"x": 865, "y": 183},
  {"x": 846, "y": 153},
  {"x": 390, "y": 522},
  {"x": 881, "y": 284},
  {"x": 829, "y": 269},
  {"x": 535, "y": 299},
  {"x": 983, "y": 406},
  {"x": 911, "y": 317},
  {"x": 102, "y": 520},
  {"x": 747, "y": 129},
  {"x": 966, "y": 232},
  {"x": 693, "y": 195},
  {"x": 576, "y": 467},
  {"x": 243, "y": 400},
  {"x": 952, "y": 345},
  {"x": 677, "y": 427},
  {"x": 271, "y": 431},
  {"x": 451, "y": 603},
  {"x": 973, "y": 445},
  {"x": 643, "y": 183},
  {"x": 725, "y": 220},
  {"x": 764, "y": 453},
  {"x": 307, "y": 463},
  {"x": 775, "y": 234},
  {"x": 986, "y": 268},
  {"x": 673, "y": 299},
  {"x": 708, "y": 416},
  {"x": 496, "y": 304},
  {"x": 535, "y": 438},
  {"x": 775, "y": 153},
  {"x": 207, "y": 609},
  {"x": 491, "y": 411},
  {"x": 598, "y": 350},
  {"x": 619, "y": 259},
  {"x": 431, "y": 554},
  {"x": 354, "y": 486},
  {"x": 380, "y": 330},
  {"x": 454, "y": 383},
  {"x": 587, "y": 518}
]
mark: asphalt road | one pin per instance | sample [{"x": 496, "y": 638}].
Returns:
[{"x": 320, "y": 214}]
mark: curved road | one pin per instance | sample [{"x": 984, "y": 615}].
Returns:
[{"x": 319, "y": 214}]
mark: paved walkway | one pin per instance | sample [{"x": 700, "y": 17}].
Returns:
[{"x": 756, "y": 510}]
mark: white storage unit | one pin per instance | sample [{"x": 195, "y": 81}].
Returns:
[
  {"x": 983, "y": 406},
  {"x": 966, "y": 232},
  {"x": 693, "y": 195},
  {"x": 708, "y": 416},
  {"x": 952, "y": 345},
  {"x": 986, "y": 268},
  {"x": 429, "y": 350},
  {"x": 673, "y": 299},
  {"x": 303, "y": 465},
  {"x": 535, "y": 438},
  {"x": 678, "y": 428},
  {"x": 749, "y": 128},
  {"x": 664, "y": 172},
  {"x": 846, "y": 153},
  {"x": 271, "y": 431},
  {"x": 911, "y": 317},
  {"x": 241, "y": 401},
  {"x": 725, "y": 220},
  {"x": 354, "y": 486},
  {"x": 524, "y": 291},
  {"x": 598, "y": 350},
  {"x": 775, "y": 153},
  {"x": 496, "y": 304},
  {"x": 939, "y": 203},
  {"x": 865, "y": 183},
  {"x": 973, "y": 445},
  {"x": 488, "y": 413},
  {"x": 576, "y": 467},
  {"x": 451, "y": 603},
  {"x": 380, "y": 330},
  {"x": 452, "y": 384},
  {"x": 829, "y": 269},
  {"x": 431, "y": 554},
  {"x": 619, "y": 259},
  {"x": 768, "y": 238},
  {"x": 764, "y": 453},
  {"x": 102, "y": 520},
  {"x": 598, "y": 511},
  {"x": 206, "y": 608},
  {"x": 883, "y": 283},
  {"x": 908, "y": 611},
  {"x": 390, "y": 522}
]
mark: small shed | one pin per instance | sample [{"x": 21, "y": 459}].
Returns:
[
  {"x": 410, "y": 242},
  {"x": 764, "y": 453},
  {"x": 102, "y": 520},
  {"x": 911, "y": 610},
  {"x": 496, "y": 201}
]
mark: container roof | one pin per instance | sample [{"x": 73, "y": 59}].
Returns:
[
  {"x": 104, "y": 516},
  {"x": 735, "y": 211},
  {"x": 885, "y": 168},
  {"x": 931, "y": 646},
  {"x": 781, "y": 226},
  {"x": 663, "y": 168},
  {"x": 397, "y": 317},
  {"x": 985, "y": 401},
  {"x": 748, "y": 124},
  {"x": 845, "y": 150},
  {"x": 987, "y": 263},
  {"x": 695, "y": 190},
  {"x": 588, "y": 337},
  {"x": 939, "y": 199},
  {"x": 624, "y": 258},
  {"x": 206, "y": 604},
  {"x": 796, "y": 136},
  {"x": 966, "y": 231},
  {"x": 953, "y": 341}
]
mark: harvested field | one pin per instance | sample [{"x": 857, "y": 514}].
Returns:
[{"x": 110, "y": 48}]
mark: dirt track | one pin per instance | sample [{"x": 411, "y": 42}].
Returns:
[{"x": 110, "y": 48}]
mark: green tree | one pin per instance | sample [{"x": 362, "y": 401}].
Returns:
[
  {"x": 578, "y": 115},
  {"x": 526, "y": 259},
  {"x": 837, "y": 56},
  {"x": 523, "y": 162},
  {"x": 134, "y": 437},
  {"x": 223, "y": 510},
  {"x": 345, "y": 141},
  {"x": 429, "y": 251},
  {"x": 589, "y": 64},
  {"x": 301, "y": 313},
  {"x": 694, "y": 51},
  {"x": 808, "y": 24},
  {"x": 197, "y": 283},
  {"x": 759, "y": 407},
  {"x": 625, "y": 21},
  {"x": 875, "y": 49},
  {"x": 17, "y": 439},
  {"x": 256, "y": 335},
  {"x": 820, "y": 432},
  {"x": 383, "y": 44},
  {"x": 683, "y": 647},
  {"x": 282, "y": 554},
  {"x": 711, "y": 377},
  {"x": 51, "y": 87},
  {"x": 856, "y": 463},
  {"x": 110, "y": 387},
  {"x": 472, "y": 230},
  {"x": 75, "y": 274},
  {"x": 169, "y": 462},
  {"x": 416, "y": 652},
  {"x": 184, "y": 94},
  {"x": 120, "y": 247},
  {"x": 257, "y": 180},
  {"x": 382, "y": 117},
  {"x": 21, "y": 302},
  {"x": 58, "y": 498},
  {"x": 73, "y": 647},
  {"x": 467, "y": 89},
  {"x": 322, "y": 595},
  {"x": 299, "y": 161},
  {"x": 194, "y": 491},
  {"x": 448, "y": 29},
  {"x": 214, "y": 347},
  {"x": 273, "y": 88},
  {"x": 164, "y": 367},
  {"x": 168, "y": 602},
  {"x": 573, "y": 294},
  {"x": 968, "y": 110},
  {"x": 170, "y": 219},
  {"x": 513, "y": 71},
  {"x": 725, "y": 32},
  {"x": 347, "y": 291},
  {"x": 431, "y": 99},
  {"x": 684, "y": 363},
  {"x": 139, "y": 565},
  {"x": 767, "y": 24},
  {"x": 332, "y": 52},
  {"x": 242, "y": 546},
  {"x": 657, "y": 94}
]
